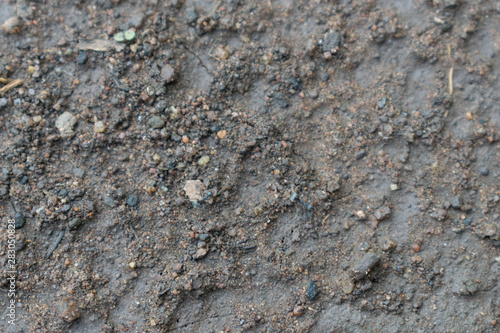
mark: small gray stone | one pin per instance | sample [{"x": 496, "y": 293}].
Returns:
[
  {"x": 3, "y": 191},
  {"x": 19, "y": 220},
  {"x": 65, "y": 123},
  {"x": 136, "y": 20},
  {"x": 3, "y": 102},
  {"x": 383, "y": 213},
  {"x": 381, "y": 103},
  {"x": 78, "y": 172},
  {"x": 467, "y": 221},
  {"x": 191, "y": 15},
  {"x": 484, "y": 171},
  {"x": 65, "y": 208},
  {"x": 82, "y": 58},
  {"x": 156, "y": 122},
  {"x": 108, "y": 201},
  {"x": 360, "y": 154},
  {"x": 133, "y": 200},
  {"x": 364, "y": 266},
  {"x": 167, "y": 74},
  {"x": 331, "y": 42},
  {"x": 312, "y": 291}
]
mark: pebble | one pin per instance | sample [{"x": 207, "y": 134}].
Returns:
[
  {"x": 383, "y": 213},
  {"x": 99, "y": 127},
  {"x": 193, "y": 190},
  {"x": 363, "y": 267},
  {"x": 3, "y": 102},
  {"x": 467, "y": 221},
  {"x": 108, "y": 201},
  {"x": 331, "y": 42},
  {"x": 312, "y": 291},
  {"x": 75, "y": 223},
  {"x": 12, "y": 25},
  {"x": 202, "y": 252},
  {"x": 3, "y": 191},
  {"x": 65, "y": 123},
  {"x": 388, "y": 244},
  {"x": 360, "y": 154},
  {"x": 136, "y": 20},
  {"x": 19, "y": 220},
  {"x": 381, "y": 103},
  {"x": 156, "y": 122},
  {"x": 484, "y": 171},
  {"x": 82, "y": 57},
  {"x": 133, "y": 200},
  {"x": 298, "y": 311},
  {"x": 191, "y": 15},
  {"x": 204, "y": 160},
  {"x": 167, "y": 74}
]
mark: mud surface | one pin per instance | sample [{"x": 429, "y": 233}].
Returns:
[{"x": 241, "y": 166}]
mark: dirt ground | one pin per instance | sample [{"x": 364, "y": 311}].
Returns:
[{"x": 250, "y": 166}]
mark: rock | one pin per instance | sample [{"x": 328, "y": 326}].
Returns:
[
  {"x": 364, "y": 266},
  {"x": 484, "y": 171},
  {"x": 75, "y": 223},
  {"x": 193, "y": 190},
  {"x": 99, "y": 127},
  {"x": 470, "y": 287},
  {"x": 191, "y": 15},
  {"x": 167, "y": 74},
  {"x": 108, "y": 201},
  {"x": 68, "y": 309},
  {"x": 204, "y": 160},
  {"x": 360, "y": 154},
  {"x": 65, "y": 123},
  {"x": 382, "y": 213},
  {"x": 298, "y": 311},
  {"x": 381, "y": 103},
  {"x": 12, "y": 25},
  {"x": 346, "y": 284},
  {"x": 200, "y": 253},
  {"x": 3, "y": 102},
  {"x": 156, "y": 122},
  {"x": 82, "y": 57},
  {"x": 19, "y": 220},
  {"x": 78, "y": 172},
  {"x": 136, "y": 20},
  {"x": 331, "y": 42},
  {"x": 467, "y": 221},
  {"x": 133, "y": 200},
  {"x": 333, "y": 184},
  {"x": 3, "y": 191},
  {"x": 312, "y": 291},
  {"x": 388, "y": 244}
]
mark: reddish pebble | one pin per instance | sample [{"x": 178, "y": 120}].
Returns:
[{"x": 415, "y": 247}]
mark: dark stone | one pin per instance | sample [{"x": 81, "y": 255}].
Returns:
[
  {"x": 133, "y": 200},
  {"x": 312, "y": 291},
  {"x": 364, "y": 266},
  {"x": 82, "y": 58},
  {"x": 24, "y": 180},
  {"x": 19, "y": 221},
  {"x": 484, "y": 171}
]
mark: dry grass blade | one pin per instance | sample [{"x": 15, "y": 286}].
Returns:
[{"x": 11, "y": 85}]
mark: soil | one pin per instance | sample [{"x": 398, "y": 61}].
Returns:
[{"x": 244, "y": 166}]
